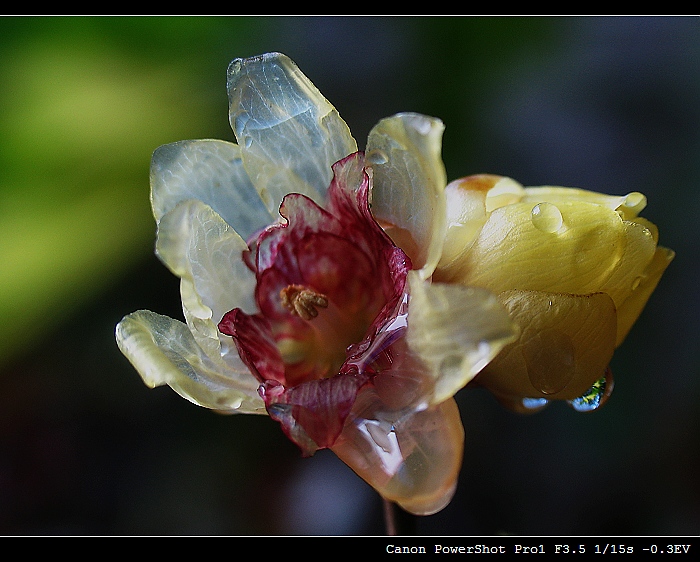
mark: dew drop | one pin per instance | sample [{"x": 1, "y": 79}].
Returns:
[
  {"x": 377, "y": 157},
  {"x": 248, "y": 142},
  {"x": 595, "y": 396},
  {"x": 534, "y": 404},
  {"x": 547, "y": 217}
]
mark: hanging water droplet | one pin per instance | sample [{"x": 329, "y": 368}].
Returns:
[
  {"x": 534, "y": 404},
  {"x": 377, "y": 157},
  {"x": 595, "y": 396},
  {"x": 547, "y": 217}
]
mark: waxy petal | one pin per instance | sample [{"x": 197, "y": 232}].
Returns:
[
  {"x": 411, "y": 458},
  {"x": 210, "y": 171},
  {"x": 455, "y": 331},
  {"x": 565, "y": 345},
  {"x": 289, "y": 134},
  {"x": 570, "y": 248},
  {"x": 631, "y": 308},
  {"x": 409, "y": 178},
  {"x": 205, "y": 252},
  {"x": 164, "y": 351}
]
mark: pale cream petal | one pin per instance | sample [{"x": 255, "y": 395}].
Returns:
[
  {"x": 469, "y": 201},
  {"x": 565, "y": 345},
  {"x": 289, "y": 134},
  {"x": 205, "y": 252},
  {"x": 411, "y": 458},
  {"x": 632, "y": 307},
  {"x": 454, "y": 331},
  {"x": 163, "y": 351},
  {"x": 210, "y": 171},
  {"x": 409, "y": 180},
  {"x": 568, "y": 248}
]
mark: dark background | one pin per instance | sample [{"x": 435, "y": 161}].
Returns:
[{"x": 608, "y": 104}]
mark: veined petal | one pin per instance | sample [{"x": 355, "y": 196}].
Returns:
[
  {"x": 409, "y": 178},
  {"x": 210, "y": 171},
  {"x": 289, "y": 134},
  {"x": 205, "y": 252},
  {"x": 455, "y": 331},
  {"x": 164, "y": 351}
]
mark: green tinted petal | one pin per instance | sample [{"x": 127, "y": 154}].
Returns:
[
  {"x": 163, "y": 351},
  {"x": 289, "y": 134},
  {"x": 455, "y": 331},
  {"x": 205, "y": 252},
  {"x": 212, "y": 172},
  {"x": 408, "y": 185}
]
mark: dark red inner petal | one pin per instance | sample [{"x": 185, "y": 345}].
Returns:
[{"x": 343, "y": 255}]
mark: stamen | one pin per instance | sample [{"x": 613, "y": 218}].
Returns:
[{"x": 302, "y": 301}]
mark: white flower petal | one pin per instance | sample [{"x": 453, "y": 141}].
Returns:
[
  {"x": 455, "y": 331},
  {"x": 205, "y": 252},
  {"x": 163, "y": 351},
  {"x": 212, "y": 172},
  {"x": 408, "y": 185},
  {"x": 289, "y": 134}
]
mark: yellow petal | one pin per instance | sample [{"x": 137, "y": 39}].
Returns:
[
  {"x": 565, "y": 345},
  {"x": 468, "y": 203},
  {"x": 629, "y": 206},
  {"x": 409, "y": 180},
  {"x": 632, "y": 307},
  {"x": 568, "y": 248}
]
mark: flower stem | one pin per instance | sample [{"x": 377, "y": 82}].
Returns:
[{"x": 398, "y": 521}]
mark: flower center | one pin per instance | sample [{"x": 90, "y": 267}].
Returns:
[{"x": 302, "y": 301}]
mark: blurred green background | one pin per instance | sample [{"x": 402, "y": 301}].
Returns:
[{"x": 609, "y": 104}]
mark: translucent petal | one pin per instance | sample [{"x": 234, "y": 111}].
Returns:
[
  {"x": 205, "y": 252},
  {"x": 515, "y": 249},
  {"x": 210, "y": 171},
  {"x": 289, "y": 134},
  {"x": 565, "y": 344},
  {"x": 411, "y": 458},
  {"x": 409, "y": 178},
  {"x": 455, "y": 331},
  {"x": 632, "y": 307},
  {"x": 163, "y": 351}
]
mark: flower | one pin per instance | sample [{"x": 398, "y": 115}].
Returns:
[
  {"x": 573, "y": 268},
  {"x": 298, "y": 303}
]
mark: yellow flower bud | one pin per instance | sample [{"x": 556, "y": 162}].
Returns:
[{"x": 573, "y": 268}]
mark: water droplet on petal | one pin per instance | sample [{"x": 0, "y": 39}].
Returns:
[
  {"x": 595, "y": 396},
  {"x": 248, "y": 142},
  {"x": 547, "y": 217},
  {"x": 377, "y": 157}
]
